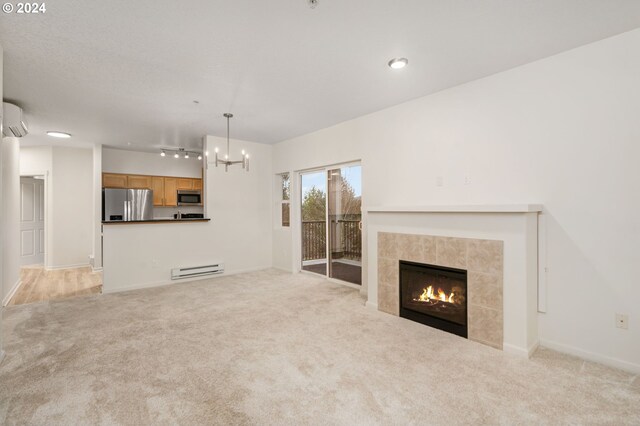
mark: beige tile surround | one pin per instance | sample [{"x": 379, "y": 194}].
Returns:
[{"x": 483, "y": 260}]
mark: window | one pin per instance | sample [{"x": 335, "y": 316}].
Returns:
[{"x": 285, "y": 185}]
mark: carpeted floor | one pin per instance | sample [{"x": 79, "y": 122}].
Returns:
[{"x": 274, "y": 348}]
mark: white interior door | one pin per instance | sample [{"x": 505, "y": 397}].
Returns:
[{"x": 31, "y": 221}]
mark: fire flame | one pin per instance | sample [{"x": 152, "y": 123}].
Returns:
[{"x": 428, "y": 294}]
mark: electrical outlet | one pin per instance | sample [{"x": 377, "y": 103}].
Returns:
[
  {"x": 467, "y": 180},
  {"x": 439, "y": 181},
  {"x": 622, "y": 321}
]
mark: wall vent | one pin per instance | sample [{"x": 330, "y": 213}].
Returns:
[{"x": 197, "y": 271}]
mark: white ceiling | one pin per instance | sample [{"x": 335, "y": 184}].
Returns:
[{"x": 125, "y": 73}]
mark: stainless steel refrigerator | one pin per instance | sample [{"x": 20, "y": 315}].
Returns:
[{"x": 127, "y": 204}]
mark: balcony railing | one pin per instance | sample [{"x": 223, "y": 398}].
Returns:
[{"x": 346, "y": 232}]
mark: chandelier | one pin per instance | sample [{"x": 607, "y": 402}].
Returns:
[{"x": 227, "y": 162}]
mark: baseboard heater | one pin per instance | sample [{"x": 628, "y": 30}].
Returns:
[{"x": 197, "y": 271}]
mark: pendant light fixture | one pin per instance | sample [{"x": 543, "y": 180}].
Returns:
[{"x": 227, "y": 162}]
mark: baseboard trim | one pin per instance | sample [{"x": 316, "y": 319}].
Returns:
[
  {"x": 591, "y": 356},
  {"x": 371, "y": 305},
  {"x": 163, "y": 283},
  {"x": 282, "y": 269},
  {"x": 78, "y": 265},
  {"x": 519, "y": 350},
  {"x": 11, "y": 293}
]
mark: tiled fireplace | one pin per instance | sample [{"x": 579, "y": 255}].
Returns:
[
  {"x": 496, "y": 246},
  {"x": 479, "y": 261}
]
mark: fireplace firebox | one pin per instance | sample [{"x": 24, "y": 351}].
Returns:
[{"x": 435, "y": 296}]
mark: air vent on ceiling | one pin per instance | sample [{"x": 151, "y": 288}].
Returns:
[{"x": 13, "y": 122}]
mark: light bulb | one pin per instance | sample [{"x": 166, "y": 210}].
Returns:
[
  {"x": 226, "y": 157},
  {"x": 186, "y": 155},
  {"x": 247, "y": 156},
  {"x": 206, "y": 153},
  {"x": 243, "y": 152},
  {"x": 176, "y": 155},
  {"x": 200, "y": 157},
  {"x": 216, "y": 150},
  {"x": 162, "y": 154}
]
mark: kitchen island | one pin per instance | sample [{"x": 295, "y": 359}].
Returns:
[{"x": 139, "y": 254}]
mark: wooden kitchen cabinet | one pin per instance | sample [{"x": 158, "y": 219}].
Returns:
[
  {"x": 171, "y": 191},
  {"x": 114, "y": 180},
  {"x": 139, "y": 182},
  {"x": 165, "y": 189},
  {"x": 185, "y": 183},
  {"x": 157, "y": 185}
]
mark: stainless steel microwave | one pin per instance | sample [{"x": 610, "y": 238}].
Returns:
[{"x": 189, "y": 198}]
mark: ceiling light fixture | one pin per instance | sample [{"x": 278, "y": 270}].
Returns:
[
  {"x": 181, "y": 152},
  {"x": 398, "y": 63},
  {"x": 226, "y": 161},
  {"x": 59, "y": 134}
]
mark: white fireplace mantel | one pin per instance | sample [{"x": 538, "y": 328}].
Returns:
[
  {"x": 458, "y": 208},
  {"x": 516, "y": 225}
]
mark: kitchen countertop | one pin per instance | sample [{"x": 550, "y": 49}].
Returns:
[{"x": 133, "y": 222}]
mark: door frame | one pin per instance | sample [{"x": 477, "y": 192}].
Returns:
[
  {"x": 47, "y": 222},
  {"x": 296, "y": 222}
]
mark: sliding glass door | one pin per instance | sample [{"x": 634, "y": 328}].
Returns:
[
  {"x": 314, "y": 222},
  {"x": 331, "y": 222}
]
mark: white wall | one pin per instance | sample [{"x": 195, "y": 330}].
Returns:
[
  {"x": 97, "y": 207},
  {"x": 11, "y": 216},
  {"x": 145, "y": 163},
  {"x": 563, "y": 132},
  {"x": 2, "y": 202},
  {"x": 70, "y": 224},
  {"x": 239, "y": 233},
  {"x": 72, "y": 206}
]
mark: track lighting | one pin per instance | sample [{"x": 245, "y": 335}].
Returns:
[{"x": 177, "y": 153}]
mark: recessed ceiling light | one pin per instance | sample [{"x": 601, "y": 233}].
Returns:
[
  {"x": 398, "y": 63},
  {"x": 59, "y": 134}
]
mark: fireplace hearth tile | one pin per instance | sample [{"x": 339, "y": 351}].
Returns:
[
  {"x": 387, "y": 245},
  {"x": 416, "y": 248},
  {"x": 485, "y": 326},
  {"x": 451, "y": 252},
  {"x": 485, "y": 290},
  {"x": 388, "y": 299},
  {"x": 388, "y": 272},
  {"x": 485, "y": 256}
]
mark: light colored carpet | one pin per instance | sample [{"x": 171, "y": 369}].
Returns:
[{"x": 274, "y": 348}]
